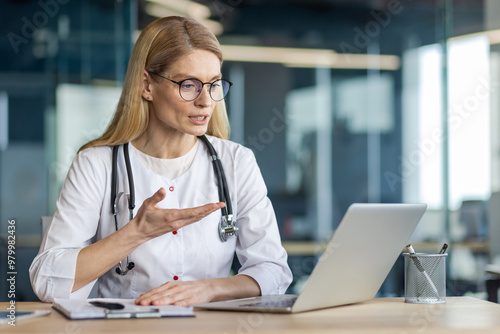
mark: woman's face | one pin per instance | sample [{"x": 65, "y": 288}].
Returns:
[{"x": 175, "y": 115}]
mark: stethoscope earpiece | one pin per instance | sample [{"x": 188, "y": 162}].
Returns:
[{"x": 121, "y": 272}]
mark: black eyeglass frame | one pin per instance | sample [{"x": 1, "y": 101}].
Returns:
[{"x": 202, "y": 85}]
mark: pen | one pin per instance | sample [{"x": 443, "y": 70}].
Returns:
[
  {"x": 109, "y": 306},
  {"x": 435, "y": 264},
  {"x": 444, "y": 248},
  {"x": 415, "y": 259},
  {"x": 442, "y": 251},
  {"x": 420, "y": 268}
]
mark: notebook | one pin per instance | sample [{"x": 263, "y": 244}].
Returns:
[
  {"x": 355, "y": 263},
  {"x": 80, "y": 309}
]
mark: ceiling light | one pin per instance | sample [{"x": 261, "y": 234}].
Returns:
[
  {"x": 309, "y": 58},
  {"x": 157, "y": 10},
  {"x": 492, "y": 35},
  {"x": 184, "y": 7}
]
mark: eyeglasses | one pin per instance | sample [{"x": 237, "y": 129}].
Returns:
[{"x": 190, "y": 89}]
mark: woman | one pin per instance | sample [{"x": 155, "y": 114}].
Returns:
[{"x": 168, "y": 101}]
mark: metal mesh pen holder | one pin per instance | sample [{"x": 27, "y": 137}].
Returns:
[{"x": 425, "y": 278}]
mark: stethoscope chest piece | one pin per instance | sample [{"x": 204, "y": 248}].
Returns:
[{"x": 227, "y": 227}]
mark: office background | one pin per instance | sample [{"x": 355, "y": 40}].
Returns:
[{"x": 342, "y": 101}]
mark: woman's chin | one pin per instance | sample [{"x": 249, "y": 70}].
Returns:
[{"x": 199, "y": 131}]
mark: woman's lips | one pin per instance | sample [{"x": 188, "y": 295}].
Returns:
[{"x": 199, "y": 119}]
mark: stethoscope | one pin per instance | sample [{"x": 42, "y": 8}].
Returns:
[{"x": 227, "y": 226}]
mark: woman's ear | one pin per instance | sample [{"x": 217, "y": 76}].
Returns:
[{"x": 146, "y": 87}]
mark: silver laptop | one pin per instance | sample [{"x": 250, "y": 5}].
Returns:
[{"x": 353, "y": 266}]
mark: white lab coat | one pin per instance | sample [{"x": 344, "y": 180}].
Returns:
[{"x": 83, "y": 216}]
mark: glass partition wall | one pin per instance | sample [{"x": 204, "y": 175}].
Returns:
[
  {"x": 341, "y": 102},
  {"x": 62, "y": 65},
  {"x": 394, "y": 105}
]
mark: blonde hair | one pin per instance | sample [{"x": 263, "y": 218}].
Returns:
[{"x": 160, "y": 44}]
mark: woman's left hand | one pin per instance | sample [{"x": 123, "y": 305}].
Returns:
[
  {"x": 178, "y": 293},
  {"x": 202, "y": 291}
]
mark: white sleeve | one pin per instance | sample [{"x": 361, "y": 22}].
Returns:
[
  {"x": 73, "y": 225},
  {"x": 259, "y": 248}
]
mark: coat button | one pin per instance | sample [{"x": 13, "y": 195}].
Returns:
[
  {"x": 171, "y": 188},
  {"x": 174, "y": 232},
  {"x": 176, "y": 278}
]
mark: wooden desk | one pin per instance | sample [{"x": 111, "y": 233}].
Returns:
[
  {"x": 312, "y": 248},
  {"x": 381, "y": 315}
]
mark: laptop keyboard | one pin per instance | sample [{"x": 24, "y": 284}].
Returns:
[{"x": 279, "y": 303}]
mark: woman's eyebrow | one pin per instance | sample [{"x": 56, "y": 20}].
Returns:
[{"x": 190, "y": 76}]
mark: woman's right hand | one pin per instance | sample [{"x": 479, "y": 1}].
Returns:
[
  {"x": 150, "y": 222},
  {"x": 153, "y": 221}
]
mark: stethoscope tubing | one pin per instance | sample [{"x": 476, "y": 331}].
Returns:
[
  {"x": 228, "y": 226},
  {"x": 223, "y": 190},
  {"x": 131, "y": 200},
  {"x": 221, "y": 178}
]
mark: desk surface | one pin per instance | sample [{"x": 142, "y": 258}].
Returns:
[
  {"x": 317, "y": 248},
  {"x": 380, "y": 315}
]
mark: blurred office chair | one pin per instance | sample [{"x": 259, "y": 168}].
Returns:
[
  {"x": 45, "y": 222},
  {"x": 492, "y": 282},
  {"x": 473, "y": 216},
  {"x": 493, "y": 271}
]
